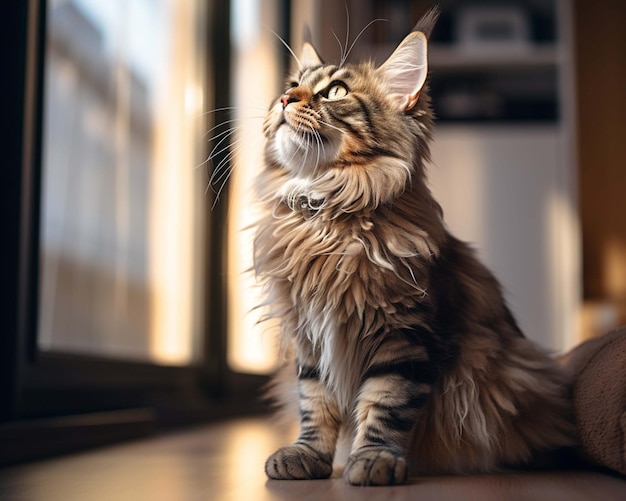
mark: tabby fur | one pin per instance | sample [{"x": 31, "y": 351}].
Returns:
[{"x": 401, "y": 339}]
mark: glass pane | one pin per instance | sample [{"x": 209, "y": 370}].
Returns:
[{"x": 122, "y": 199}]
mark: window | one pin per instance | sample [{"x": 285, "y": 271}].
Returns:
[
  {"x": 114, "y": 274},
  {"x": 122, "y": 181},
  {"x": 117, "y": 267}
]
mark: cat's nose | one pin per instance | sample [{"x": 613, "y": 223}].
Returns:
[
  {"x": 286, "y": 99},
  {"x": 299, "y": 94}
]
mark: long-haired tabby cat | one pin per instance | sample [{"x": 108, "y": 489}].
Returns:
[{"x": 402, "y": 342}]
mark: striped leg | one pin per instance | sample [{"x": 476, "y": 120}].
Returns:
[
  {"x": 311, "y": 455},
  {"x": 393, "y": 392}
]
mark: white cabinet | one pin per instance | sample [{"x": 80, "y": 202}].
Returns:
[{"x": 506, "y": 190}]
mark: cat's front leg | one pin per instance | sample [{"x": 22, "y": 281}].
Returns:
[
  {"x": 393, "y": 393},
  {"x": 311, "y": 455}
]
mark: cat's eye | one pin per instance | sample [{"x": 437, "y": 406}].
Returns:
[{"x": 337, "y": 91}]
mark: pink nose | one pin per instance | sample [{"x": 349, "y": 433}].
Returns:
[{"x": 286, "y": 99}]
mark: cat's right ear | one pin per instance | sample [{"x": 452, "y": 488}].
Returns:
[
  {"x": 309, "y": 58},
  {"x": 405, "y": 71}
]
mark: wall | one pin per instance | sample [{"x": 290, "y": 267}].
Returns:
[{"x": 600, "y": 54}]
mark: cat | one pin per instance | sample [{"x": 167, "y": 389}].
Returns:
[{"x": 401, "y": 340}]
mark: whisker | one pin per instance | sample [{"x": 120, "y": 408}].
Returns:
[
  {"x": 232, "y": 120},
  {"x": 227, "y": 158},
  {"x": 344, "y": 55},
  {"x": 318, "y": 141},
  {"x": 228, "y": 133},
  {"x": 306, "y": 151},
  {"x": 331, "y": 126},
  {"x": 361, "y": 33},
  {"x": 228, "y": 109},
  {"x": 288, "y": 48},
  {"x": 233, "y": 108},
  {"x": 320, "y": 147},
  {"x": 222, "y": 169},
  {"x": 222, "y": 172},
  {"x": 218, "y": 126},
  {"x": 225, "y": 170},
  {"x": 340, "y": 47},
  {"x": 217, "y": 110},
  {"x": 222, "y": 178}
]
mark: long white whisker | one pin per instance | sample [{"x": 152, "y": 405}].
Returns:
[
  {"x": 228, "y": 109},
  {"x": 218, "y": 193},
  {"x": 361, "y": 33},
  {"x": 320, "y": 147},
  {"x": 288, "y": 48},
  {"x": 229, "y": 133},
  {"x": 218, "y": 126},
  {"x": 216, "y": 110},
  {"x": 306, "y": 151},
  {"x": 232, "y": 120},
  {"x": 223, "y": 169},
  {"x": 215, "y": 151},
  {"x": 331, "y": 126},
  {"x": 233, "y": 148},
  {"x": 226, "y": 133},
  {"x": 340, "y": 46},
  {"x": 344, "y": 56}
]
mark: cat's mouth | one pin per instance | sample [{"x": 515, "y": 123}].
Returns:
[
  {"x": 300, "y": 126},
  {"x": 305, "y": 135},
  {"x": 302, "y": 142}
]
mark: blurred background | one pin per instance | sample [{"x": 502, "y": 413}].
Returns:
[{"x": 127, "y": 292}]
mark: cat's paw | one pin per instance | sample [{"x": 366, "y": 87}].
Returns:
[
  {"x": 298, "y": 462},
  {"x": 376, "y": 466}
]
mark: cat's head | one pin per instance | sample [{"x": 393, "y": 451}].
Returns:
[{"x": 357, "y": 116}]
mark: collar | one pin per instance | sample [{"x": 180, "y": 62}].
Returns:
[{"x": 309, "y": 207}]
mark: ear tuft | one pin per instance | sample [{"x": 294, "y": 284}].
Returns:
[{"x": 427, "y": 22}]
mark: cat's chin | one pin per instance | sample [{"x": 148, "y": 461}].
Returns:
[{"x": 306, "y": 154}]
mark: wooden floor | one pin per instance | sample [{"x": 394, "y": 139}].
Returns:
[{"x": 224, "y": 462}]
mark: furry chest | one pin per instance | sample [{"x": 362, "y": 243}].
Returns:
[{"x": 345, "y": 268}]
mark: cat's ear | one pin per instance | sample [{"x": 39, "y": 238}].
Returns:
[
  {"x": 309, "y": 58},
  {"x": 405, "y": 70}
]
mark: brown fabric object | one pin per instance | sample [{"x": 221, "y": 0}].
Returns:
[{"x": 598, "y": 369}]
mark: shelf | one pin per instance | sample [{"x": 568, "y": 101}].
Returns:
[{"x": 449, "y": 57}]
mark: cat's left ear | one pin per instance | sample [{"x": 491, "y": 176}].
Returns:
[
  {"x": 309, "y": 58},
  {"x": 405, "y": 70}
]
